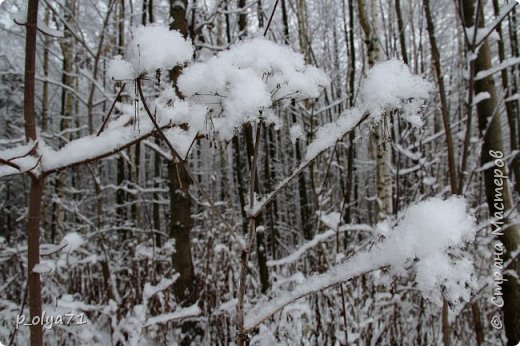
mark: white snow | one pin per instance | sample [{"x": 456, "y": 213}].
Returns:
[
  {"x": 72, "y": 241},
  {"x": 151, "y": 290},
  {"x": 117, "y": 134},
  {"x": 390, "y": 85},
  {"x": 119, "y": 69},
  {"x": 481, "y": 97},
  {"x": 329, "y": 134},
  {"x": 191, "y": 311},
  {"x": 89, "y": 147},
  {"x": 296, "y": 132},
  {"x": 505, "y": 64},
  {"x": 331, "y": 220},
  {"x": 19, "y": 156},
  {"x": 241, "y": 84},
  {"x": 156, "y": 47},
  {"x": 153, "y": 47},
  {"x": 42, "y": 268}
]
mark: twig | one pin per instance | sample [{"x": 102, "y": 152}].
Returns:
[
  {"x": 111, "y": 110},
  {"x": 10, "y": 164},
  {"x": 37, "y": 28},
  {"x": 271, "y": 18}
]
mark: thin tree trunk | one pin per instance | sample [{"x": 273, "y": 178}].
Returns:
[
  {"x": 120, "y": 175},
  {"x": 511, "y": 105},
  {"x": 442, "y": 95},
  {"x": 180, "y": 204},
  {"x": 45, "y": 123},
  {"x": 285, "y": 21},
  {"x": 37, "y": 182},
  {"x": 67, "y": 99},
  {"x": 242, "y": 18},
  {"x": 400, "y": 27},
  {"x": 383, "y": 153},
  {"x": 351, "y": 82},
  {"x": 302, "y": 181},
  {"x": 250, "y": 147},
  {"x": 180, "y": 209},
  {"x": 156, "y": 206}
]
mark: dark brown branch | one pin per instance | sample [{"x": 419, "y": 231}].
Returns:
[
  {"x": 111, "y": 109},
  {"x": 10, "y": 164},
  {"x": 271, "y": 18},
  {"x": 37, "y": 28}
]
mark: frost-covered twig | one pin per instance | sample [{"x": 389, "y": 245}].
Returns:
[
  {"x": 342, "y": 273},
  {"x": 318, "y": 238},
  {"x": 189, "y": 312},
  {"x": 505, "y": 64}
]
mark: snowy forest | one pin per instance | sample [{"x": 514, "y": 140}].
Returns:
[{"x": 259, "y": 172}]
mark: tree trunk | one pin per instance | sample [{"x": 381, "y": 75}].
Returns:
[
  {"x": 383, "y": 153},
  {"x": 180, "y": 202},
  {"x": 180, "y": 209},
  {"x": 285, "y": 21},
  {"x": 67, "y": 110},
  {"x": 442, "y": 96},
  {"x": 400, "y": 27},
  {"x": 156, "y": 195},
  {"x": 37, "y": 182},
  {"x": 351, "y": 151},
  {"x": 120, "y": 175},
  {"x": 498, "y": 191},
  {"x": 242, "y": 18},
  {"x": 511, "y": 105}
]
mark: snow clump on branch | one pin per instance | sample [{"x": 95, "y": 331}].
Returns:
[
  {"x": 242, "y": 84},
  {"x": 390, "y": 85},
  {"x": 153, "y": 47},
  {"x": 434, "y": 233}
]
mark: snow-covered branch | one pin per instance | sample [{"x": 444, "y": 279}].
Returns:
[{"x": 429, "y": 239}]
